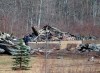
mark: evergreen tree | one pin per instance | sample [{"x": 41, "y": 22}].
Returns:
[{"x": 22, "y": 57}]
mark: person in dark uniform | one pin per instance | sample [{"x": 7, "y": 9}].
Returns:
[{"x": 26, "y": 39}]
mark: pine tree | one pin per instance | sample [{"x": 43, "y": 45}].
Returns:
[{"x": 21, "y": 58}]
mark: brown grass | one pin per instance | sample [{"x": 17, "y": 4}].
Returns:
[{"x": 62, "y": 65}]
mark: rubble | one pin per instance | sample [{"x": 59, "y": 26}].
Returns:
[
  {"x": 48, "y": 33},
  {"x": 2, "y": 50},
  {"x": 91, "y": 59},
  {"x": 89, "y": 47},
  {"x": 53, "y": 34},
  {"x": 4, "y": 35},
  {"x": 8, "y": 48},
  {"x": 7, "y": 44}
]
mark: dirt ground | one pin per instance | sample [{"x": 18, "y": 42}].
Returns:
[{"x": 53, "y": 65}]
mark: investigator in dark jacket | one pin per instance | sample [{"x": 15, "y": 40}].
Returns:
[{"x": 26, "y": 39}]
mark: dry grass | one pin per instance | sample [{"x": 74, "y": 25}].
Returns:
[{"x": 62, "y": 65}]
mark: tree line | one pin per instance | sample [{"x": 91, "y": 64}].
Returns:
[{"x": 75, "y": 16}]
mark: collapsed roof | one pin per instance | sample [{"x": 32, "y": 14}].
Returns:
[
  {"x": 53, "y": 34},
  {"x": 48, "y": 32}
]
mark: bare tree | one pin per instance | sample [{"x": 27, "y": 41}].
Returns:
[
  {"x": 40, "y": 10},
  {"x": 94, "y": 11}
]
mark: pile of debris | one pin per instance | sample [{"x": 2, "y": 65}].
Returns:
[
  {"x": 7, "y": 43},
  {"x": 48, "y": 33},
  {"x": 89, "y": 47}
]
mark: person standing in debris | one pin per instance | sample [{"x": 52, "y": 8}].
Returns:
[{"x": 26, "y": 39}]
